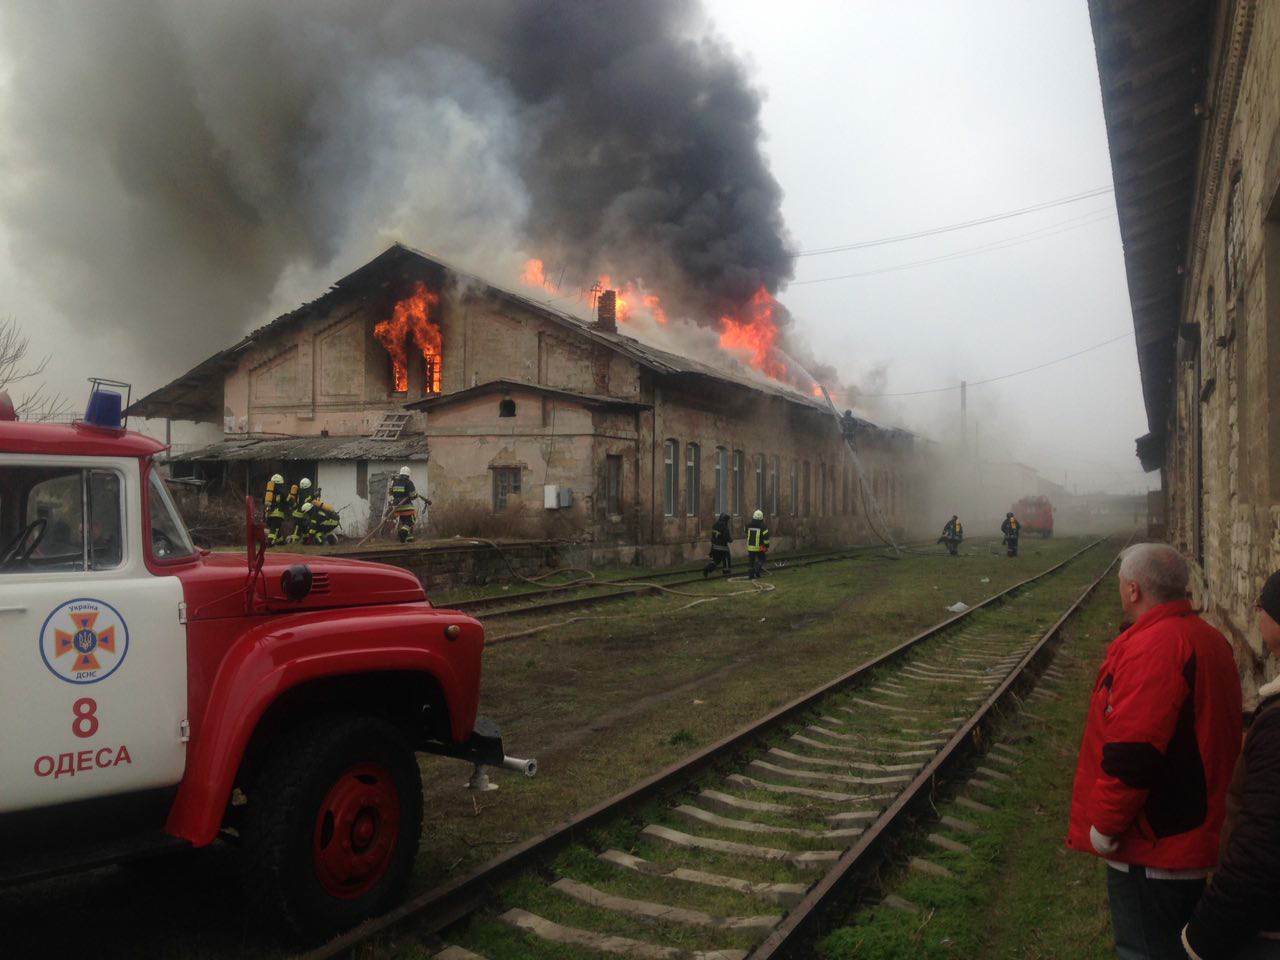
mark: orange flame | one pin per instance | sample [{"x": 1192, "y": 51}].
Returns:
[
  {"x": 412, "y": 320},
  {"x": 754, "y": 332},
  {"x": 535, "y": 275}
]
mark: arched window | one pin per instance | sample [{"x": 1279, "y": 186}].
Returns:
[
  {"x": 506, "y": 407},
  {"x": 670, "y": 476}
]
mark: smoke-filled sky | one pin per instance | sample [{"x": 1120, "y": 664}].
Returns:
[{"x": 172, "y": 173}]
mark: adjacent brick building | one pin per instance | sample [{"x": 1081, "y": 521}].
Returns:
[
  {"x": 506, "y": 406},
  {"x": 1191, "y": 95}
]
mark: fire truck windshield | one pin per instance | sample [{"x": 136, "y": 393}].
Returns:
[{"x": 169, "y": 537}]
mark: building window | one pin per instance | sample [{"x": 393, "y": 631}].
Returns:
[
  {"x": 692, "y": 477},
  {"x": 431, "y": 376},
  {"x": 739, "y": 468},
  {"x": 722, "y": 481},
  {"x": 613, "y": 485},
  {"x": 506, "y": 407},
  {"x": 1235, "y": 240},
  {"x": 806, "y": 481},
  {"x": 399, "y": 374},
  {"x": 795, "y": 489},
  {"x": 760, "y": 485},
  {"x": 506, "y": 486},
  {"x": 775, "y": 481},
  {"x": 670, "y": 476},
  {"x": 362, "y": 479}
]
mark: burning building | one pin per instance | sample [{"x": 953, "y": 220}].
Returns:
[{"x": 504, "y": 405}]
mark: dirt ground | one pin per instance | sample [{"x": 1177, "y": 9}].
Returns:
[{"x": 601, "y": 703}]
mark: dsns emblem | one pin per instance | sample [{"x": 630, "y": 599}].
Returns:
[{"x": 84, "y": 641}]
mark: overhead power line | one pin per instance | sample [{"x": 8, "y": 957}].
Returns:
[
  {"x": 1040, "y": 233},
  {"x": 963, "y": 225},
  {"x": 1005, "y": 376}
]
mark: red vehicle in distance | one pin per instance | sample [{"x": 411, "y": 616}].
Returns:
[
  {"x": 157, "y": 697},
  {"x": 1035, "y": 515}
]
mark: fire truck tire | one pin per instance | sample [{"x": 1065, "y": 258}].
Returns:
[{"x": 332, "y": 825}]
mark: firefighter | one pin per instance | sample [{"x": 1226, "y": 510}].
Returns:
[
  {"x": 952, "y": 535},
  {"x": 322, "y": 522},
  {"x": 273, "y": 504},
  {"x": 402, "y": 494},
  {"x": 300, "y": 499},
  {"x": 757, "y": 545},
  {"x": 1010, "y": 529},
  {"x": 721, "y": 538}
]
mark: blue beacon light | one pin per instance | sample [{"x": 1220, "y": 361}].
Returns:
[{"x": 105, "y": 410}]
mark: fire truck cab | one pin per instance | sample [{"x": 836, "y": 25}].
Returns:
[{"x": 155, "y": 696}]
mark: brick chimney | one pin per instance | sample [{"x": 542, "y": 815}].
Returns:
[{"x": 607, "y": 311}]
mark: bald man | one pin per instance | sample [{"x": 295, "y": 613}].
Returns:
[{"x": 1159, "y": 747}]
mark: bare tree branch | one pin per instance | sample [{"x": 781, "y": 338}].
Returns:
[{"x": 15, "y": 368}]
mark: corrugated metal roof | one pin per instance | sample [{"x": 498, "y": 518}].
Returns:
[{"x": 310, "y": 448}]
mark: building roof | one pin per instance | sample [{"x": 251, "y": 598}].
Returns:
[
  {"x": 310, "y": 448},
  {"x": 190, "y": 392},
  {"x": 1152, "y": 70},
  {"x": 506, "y": 386}
]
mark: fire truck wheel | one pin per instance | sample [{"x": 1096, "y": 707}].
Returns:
[{"x": 332, "y": 825}]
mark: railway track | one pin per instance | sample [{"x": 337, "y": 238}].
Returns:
[
  {"x": 734, "y": 852},
  {"x": 604, "y": 591}
]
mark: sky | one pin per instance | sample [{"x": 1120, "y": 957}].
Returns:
[{"x": 881, "y": 119}]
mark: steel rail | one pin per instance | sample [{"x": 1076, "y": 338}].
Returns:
[
  {"x": 455, "y": 899},
  {"x": 800, "y": 918}
]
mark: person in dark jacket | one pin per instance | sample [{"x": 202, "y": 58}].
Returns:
[
  {"x": 952, "y": 534},
  {"x": 1160, "y": 741},
  {"x": 1010, "y": 529},
  {"x": 721, "y": 538},
  {"x": 1238, "y": 918},
  {"x": 757, "y": 545}
]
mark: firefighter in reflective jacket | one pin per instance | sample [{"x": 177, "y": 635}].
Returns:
[
  {"x": 952, "y": 535},
  {"x": 757, "y": 545},
  {"x": 322, "y": 522},
  {"x": 273, "y": 507},
  {"x": 1010, "y": 530},
  {"x": 403, "y": 494},
  {"x": 300, "y": 496}
]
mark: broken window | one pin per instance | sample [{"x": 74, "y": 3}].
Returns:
[
  {"x": 613, "y": 485},
  {"x": 775, "y": 481},
  {"x": 431, "y": 379},
  {"x": 739, "y": 468},
  {"x": 670, "y": 477},
  {"x": 362, "y": 479},
  {"x": 722, "y": 481},
  {"x": 506, "y": 407},
  {"x": 506, "y": 486},
  {"x": 692, "y": 477}
]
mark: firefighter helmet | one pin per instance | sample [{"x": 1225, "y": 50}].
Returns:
[
  {"x": 404, "y": 471},
  {"x": 758, "y": 515},
  {"x": 304, "y": 483},
  {"x": 306, "y": 507},
  {"x": 276, "y": 478}
]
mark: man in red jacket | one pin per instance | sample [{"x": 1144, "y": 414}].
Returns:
[{"x": 1159, "y": 746}]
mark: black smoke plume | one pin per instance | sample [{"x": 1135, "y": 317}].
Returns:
[{"x": 169, "y": 164}]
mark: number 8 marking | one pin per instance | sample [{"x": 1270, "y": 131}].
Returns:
[{"x": 86, "y": 722}]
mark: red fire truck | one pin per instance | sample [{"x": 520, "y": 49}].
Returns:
[
  {"x": 1035, "y": 515},
  {"x": 158, "y": 697}
]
